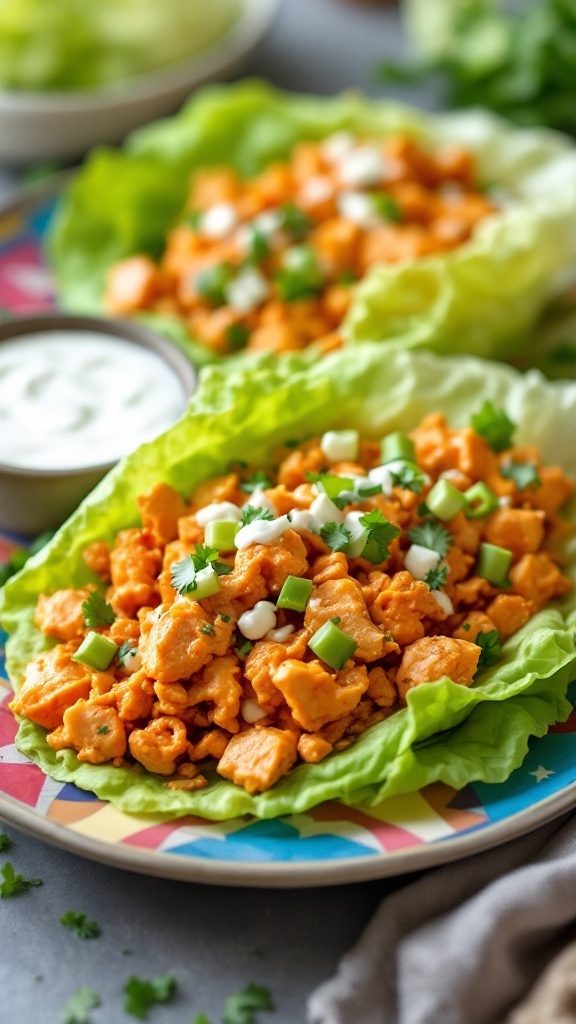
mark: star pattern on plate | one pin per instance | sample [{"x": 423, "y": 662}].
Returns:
[{"x": 541, "y": 773}]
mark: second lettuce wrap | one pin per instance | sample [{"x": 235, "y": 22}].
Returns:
[
  {"x": 447, "y": 732},
  {"x": 481, "y": 298}
]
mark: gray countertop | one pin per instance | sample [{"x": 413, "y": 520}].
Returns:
[{"x": 212, "y": 939}]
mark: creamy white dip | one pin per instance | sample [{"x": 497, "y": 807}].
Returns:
[{"x": 70, "y": 399}]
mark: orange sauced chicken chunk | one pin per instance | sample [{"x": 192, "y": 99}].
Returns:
[
  {"x": 274, "y": 615},
  {"x": 270, "y": 263}
]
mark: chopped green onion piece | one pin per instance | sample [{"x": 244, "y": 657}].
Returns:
[
  {"x": 445, "y": 501},
  {"x": 244, "y": 649},
  {"x": 331, "y": 485},
  {"x": 397, "y": 446},
  {"x": 237, "y": 336},
  {"x": 300, "y": 276},
  {"x": 221, "y": 534},
  {"x": 386, "y": 207},
  {"x": 207, "y": 584},
  {"x": 493, "y": 564},
  {"x": 258, "y": 246},
  {"x": 295, "y": 593},
  {"x": 211, "y": 283},
  {"x": 332, "y": 645},
  {"x": 96, "y": 651},
  {"x": 295, "y": 221},
  {"x": 480, "y": 501}
]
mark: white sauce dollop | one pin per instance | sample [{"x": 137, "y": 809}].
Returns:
[
  {"x": 218, "y": 511},
  {"x": 70, "y": 399},
  {"x": 261, "y": 531},
  {"x": 255, "y": 623}
]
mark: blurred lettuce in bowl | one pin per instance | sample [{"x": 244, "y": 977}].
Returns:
[
  {"x": 85, "y": 44},
  {"x": 481, "y": 298},
  {"x": 447, "y": 732}
]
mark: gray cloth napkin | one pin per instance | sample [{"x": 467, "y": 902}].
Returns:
[{"x": 465, "y": 942}]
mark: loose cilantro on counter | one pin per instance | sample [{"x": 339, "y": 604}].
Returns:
[
  {"x": 80, "y": 924},
  {"x": 142, "y": 994},
  {"x": 5, "y": 842},
  {"x": 96, "y": 611},
  {"x": 77, "y": 1009},
  {"x": 241, "y": 1007},
  {"x": 13, "y": 884}
]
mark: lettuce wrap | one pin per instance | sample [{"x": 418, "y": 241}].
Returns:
[
  {"x": 481, "y": 298},
  {"x": 447, "y": 732}
]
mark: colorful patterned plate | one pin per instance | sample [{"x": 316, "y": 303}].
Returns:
[{"x": 328, "y": 845}]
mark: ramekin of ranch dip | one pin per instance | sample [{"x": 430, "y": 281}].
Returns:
[{"x": 76, "y": 394}]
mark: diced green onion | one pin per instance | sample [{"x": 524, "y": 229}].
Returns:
[
  {"x": 445, "y": 501},
  {"x": 493, "y": 564},
  {"x": 96, "y": 651},
  {"x": 386, "y": 207},
  {"x": 397, "y": 446},
  {"x": 295, "y": 593},
  {"x": 211, "y": 283},
  {"x": 480, "y": 501},
  {"x": 333, "y": 486},
  {"x": 221, "y": 534},
  {"x": 207, "y": 584},
  {"x": 332, "y": 645}
]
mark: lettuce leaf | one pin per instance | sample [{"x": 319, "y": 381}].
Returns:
[
  {"x": 447, "y": 731},
  {"x": 481, "y": 298}
]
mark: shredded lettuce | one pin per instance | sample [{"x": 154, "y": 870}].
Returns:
[
  {"x": 481, "y": 298},
  {"x": 447, "y": 732},
  {"x": 78, "y": 44}
]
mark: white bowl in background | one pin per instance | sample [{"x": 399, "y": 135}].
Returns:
[{"x": 52, "y": 125}]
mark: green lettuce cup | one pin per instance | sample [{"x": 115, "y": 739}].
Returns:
[
  {"x": 481, "y": 298},
  {"x": 447, "y": 732}
]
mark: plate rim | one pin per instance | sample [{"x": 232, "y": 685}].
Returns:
[{"x": 288, "y": 874}]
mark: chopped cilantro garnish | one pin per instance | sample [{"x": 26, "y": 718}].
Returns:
[
  {"x": 97, "y": 611},
  {"x": 13, "y": 884},
  {"x": 335, "y": 535},
  {"x": 386, "y": 207},
  {"x": 494, "y": 426},
  {"x": 300, "y": 277},
  {"x": 524, "y": 474},
  {"x": 336, "y": 620},
  {"x": 237, "y": 336},
  {"x": 225, "y": 618},
  {"x": 125, "y": 650},
  {"x": 5, "y": 842},
  {"x": 211, "y": 283},
  {"x": 259, "y": 479},
  {"x": 241, "y": 1007},
  {"x": 490, "y": 645},
  {"x": 432, "y": 535},
  {"x": 80, "y": 923},
  {"x": 409, "y": 477},
  {"x": 183, "y": 574},
  {"x": 294, "y": 221},
  {"x": 102, "y": 730},
  {"x": 141, "y": 994},
  {"x": 436, "y": 578},
  {"x": 76, "y": 1010},
  {"x": 244, "y": 649},
  {"x": 251, "y": 514},
  {"x": 208, "y": 629},
  {"x": 466, "y": 626},
  {"x": 380, "y": 535},
  {"x": 258, "y": 246}
]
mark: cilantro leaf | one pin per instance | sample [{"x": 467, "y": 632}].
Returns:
[
  {"x": 386, "y": 207},
  {"x": 250, "y": 514},
  {"x": 244, "y": 649},
  {"x": 237, "y": 336},
  {"x": 183, "y": 573},
  {"x": 241, "y": 1007},
  {"x": 436, "y": 578},
  {"x": 13, "y": 884},
  {"x": 208, "y": 629},
  {"x": 81, "y": 924},
  {"x": 212, "y": 283},
  {"x": 381, "y": 533},
  {"x": 124, "y": 650},
  {"x": 259, "y": 479},
  {"x": 494, "y": 426},
  {"x": 97, "y": 611},
  {"x": 432, "y": 535},
  {"x": 335, "y": 535},
  {"x": 409, "y": 476},
  {"x": 490, "y": 645},
  {"x": 142, "y": 994},
  {"x": 76, "y": 1010},
  {"x": 524, "y": 474},
  {"x": 258, "y": 246},
  {"x": 294, "y": 221},
  {"x": 5, "y": 842}
]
